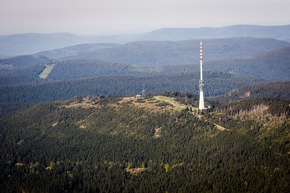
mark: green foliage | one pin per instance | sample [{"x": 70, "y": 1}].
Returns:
[
  {"x": 121, "y": 86},
  {"x": 24, "y": 75},
  {"x": 166, "y": 53},
  {"x": 58, "y": 147},
  {"x": 275, "y": 107},
  {"x": 274, "y": 90}
]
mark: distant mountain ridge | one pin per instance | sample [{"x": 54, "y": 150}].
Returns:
[
  {"x": 258, "y": 58},
  {"x": 276, "y": 32},
  {"x": 22, "y": 44},
  {"x": 164, "y": 53}
]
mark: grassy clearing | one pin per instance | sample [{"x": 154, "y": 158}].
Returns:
[
  {"x": 46, "y": 71},
  {"x": 156, "y": 103},
  {"x": 177, "y": 106}
]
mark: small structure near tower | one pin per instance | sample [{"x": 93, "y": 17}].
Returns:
[
  {"x": 143, "y": 92},
  {"x": 142, "y": 95}
]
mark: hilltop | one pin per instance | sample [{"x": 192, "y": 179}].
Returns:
[{"x": 126, "y": 144}]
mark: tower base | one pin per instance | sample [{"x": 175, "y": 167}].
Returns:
[{"x": 201, "y": 101}]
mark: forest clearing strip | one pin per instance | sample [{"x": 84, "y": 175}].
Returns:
[{"x": 46, "y": 71}]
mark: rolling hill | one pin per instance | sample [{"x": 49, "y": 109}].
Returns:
[
  {"x": 23, "y": 44},
  {"x": 122, "y": 144},
  {"x": 276, "y": 32},
  {"x": 162, "y": 53},
  {"x": 24, "y": 61},
  {"x": 158, "y": 66},
  {"x": 270, "y": 65},
  {"x": 163, "y": 58},
  {"x": 217, "y": 84},
  {"x": 277, "y": 90},
  {"x": 75, "y": 50}
]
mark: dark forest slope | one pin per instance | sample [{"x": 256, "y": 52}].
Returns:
[
  {"x": 216, "y": 84},
  {"x": 271, "y": 65},
  {"x": 277, "y": 90},
  {"x": 258, "y": 58},
  {"x": 160, "y": 53},
  {"x": 102, "y": 144}
]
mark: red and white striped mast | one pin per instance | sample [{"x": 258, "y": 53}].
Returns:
[{"x": 201, "y": 84}]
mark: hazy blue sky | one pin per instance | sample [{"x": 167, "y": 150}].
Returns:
[{"x": 127, "y": 16}]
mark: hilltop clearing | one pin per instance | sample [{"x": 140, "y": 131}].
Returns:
[{"x": 156, "y": 103}]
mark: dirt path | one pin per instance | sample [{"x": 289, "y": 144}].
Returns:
[
  {"x": 218, "y": 127},
  {"x": 221, "y": 128}
]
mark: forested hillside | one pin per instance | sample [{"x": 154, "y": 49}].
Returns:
[
  {"x": 277, "y": 32},
  {"x": 25, "y": 60},
  {"x": 216, "y": 84},
  {"x": 75, "y": 50},
  {"x": 229, "y": 64},
  {"x": 256, "y": 58},
  {"x": 272, "y": 65},
  {"x": 277, "y": 90},
  {"x": 109, "y": 144},
  {"x": 19, "y": 44},
  {"x": 164, "y": 53}
]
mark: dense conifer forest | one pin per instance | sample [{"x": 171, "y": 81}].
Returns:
[{"x": 124, "y": 144}]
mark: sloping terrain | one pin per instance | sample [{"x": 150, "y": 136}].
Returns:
[
  {"x": 75, "y": 50},
  {"x": 277, "y": 32},
  {"x": 101, "y": 144},
  {"x": 271, "y": 65},
  {"x": 243, "y": 57},
  {"x": 20, "y": 44},
  {"x": 24, "y": 61},
  {"x": 277, "y": 90},
  {"x": 216, "y": 84},
  {"x": 164, "y": 53}
]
